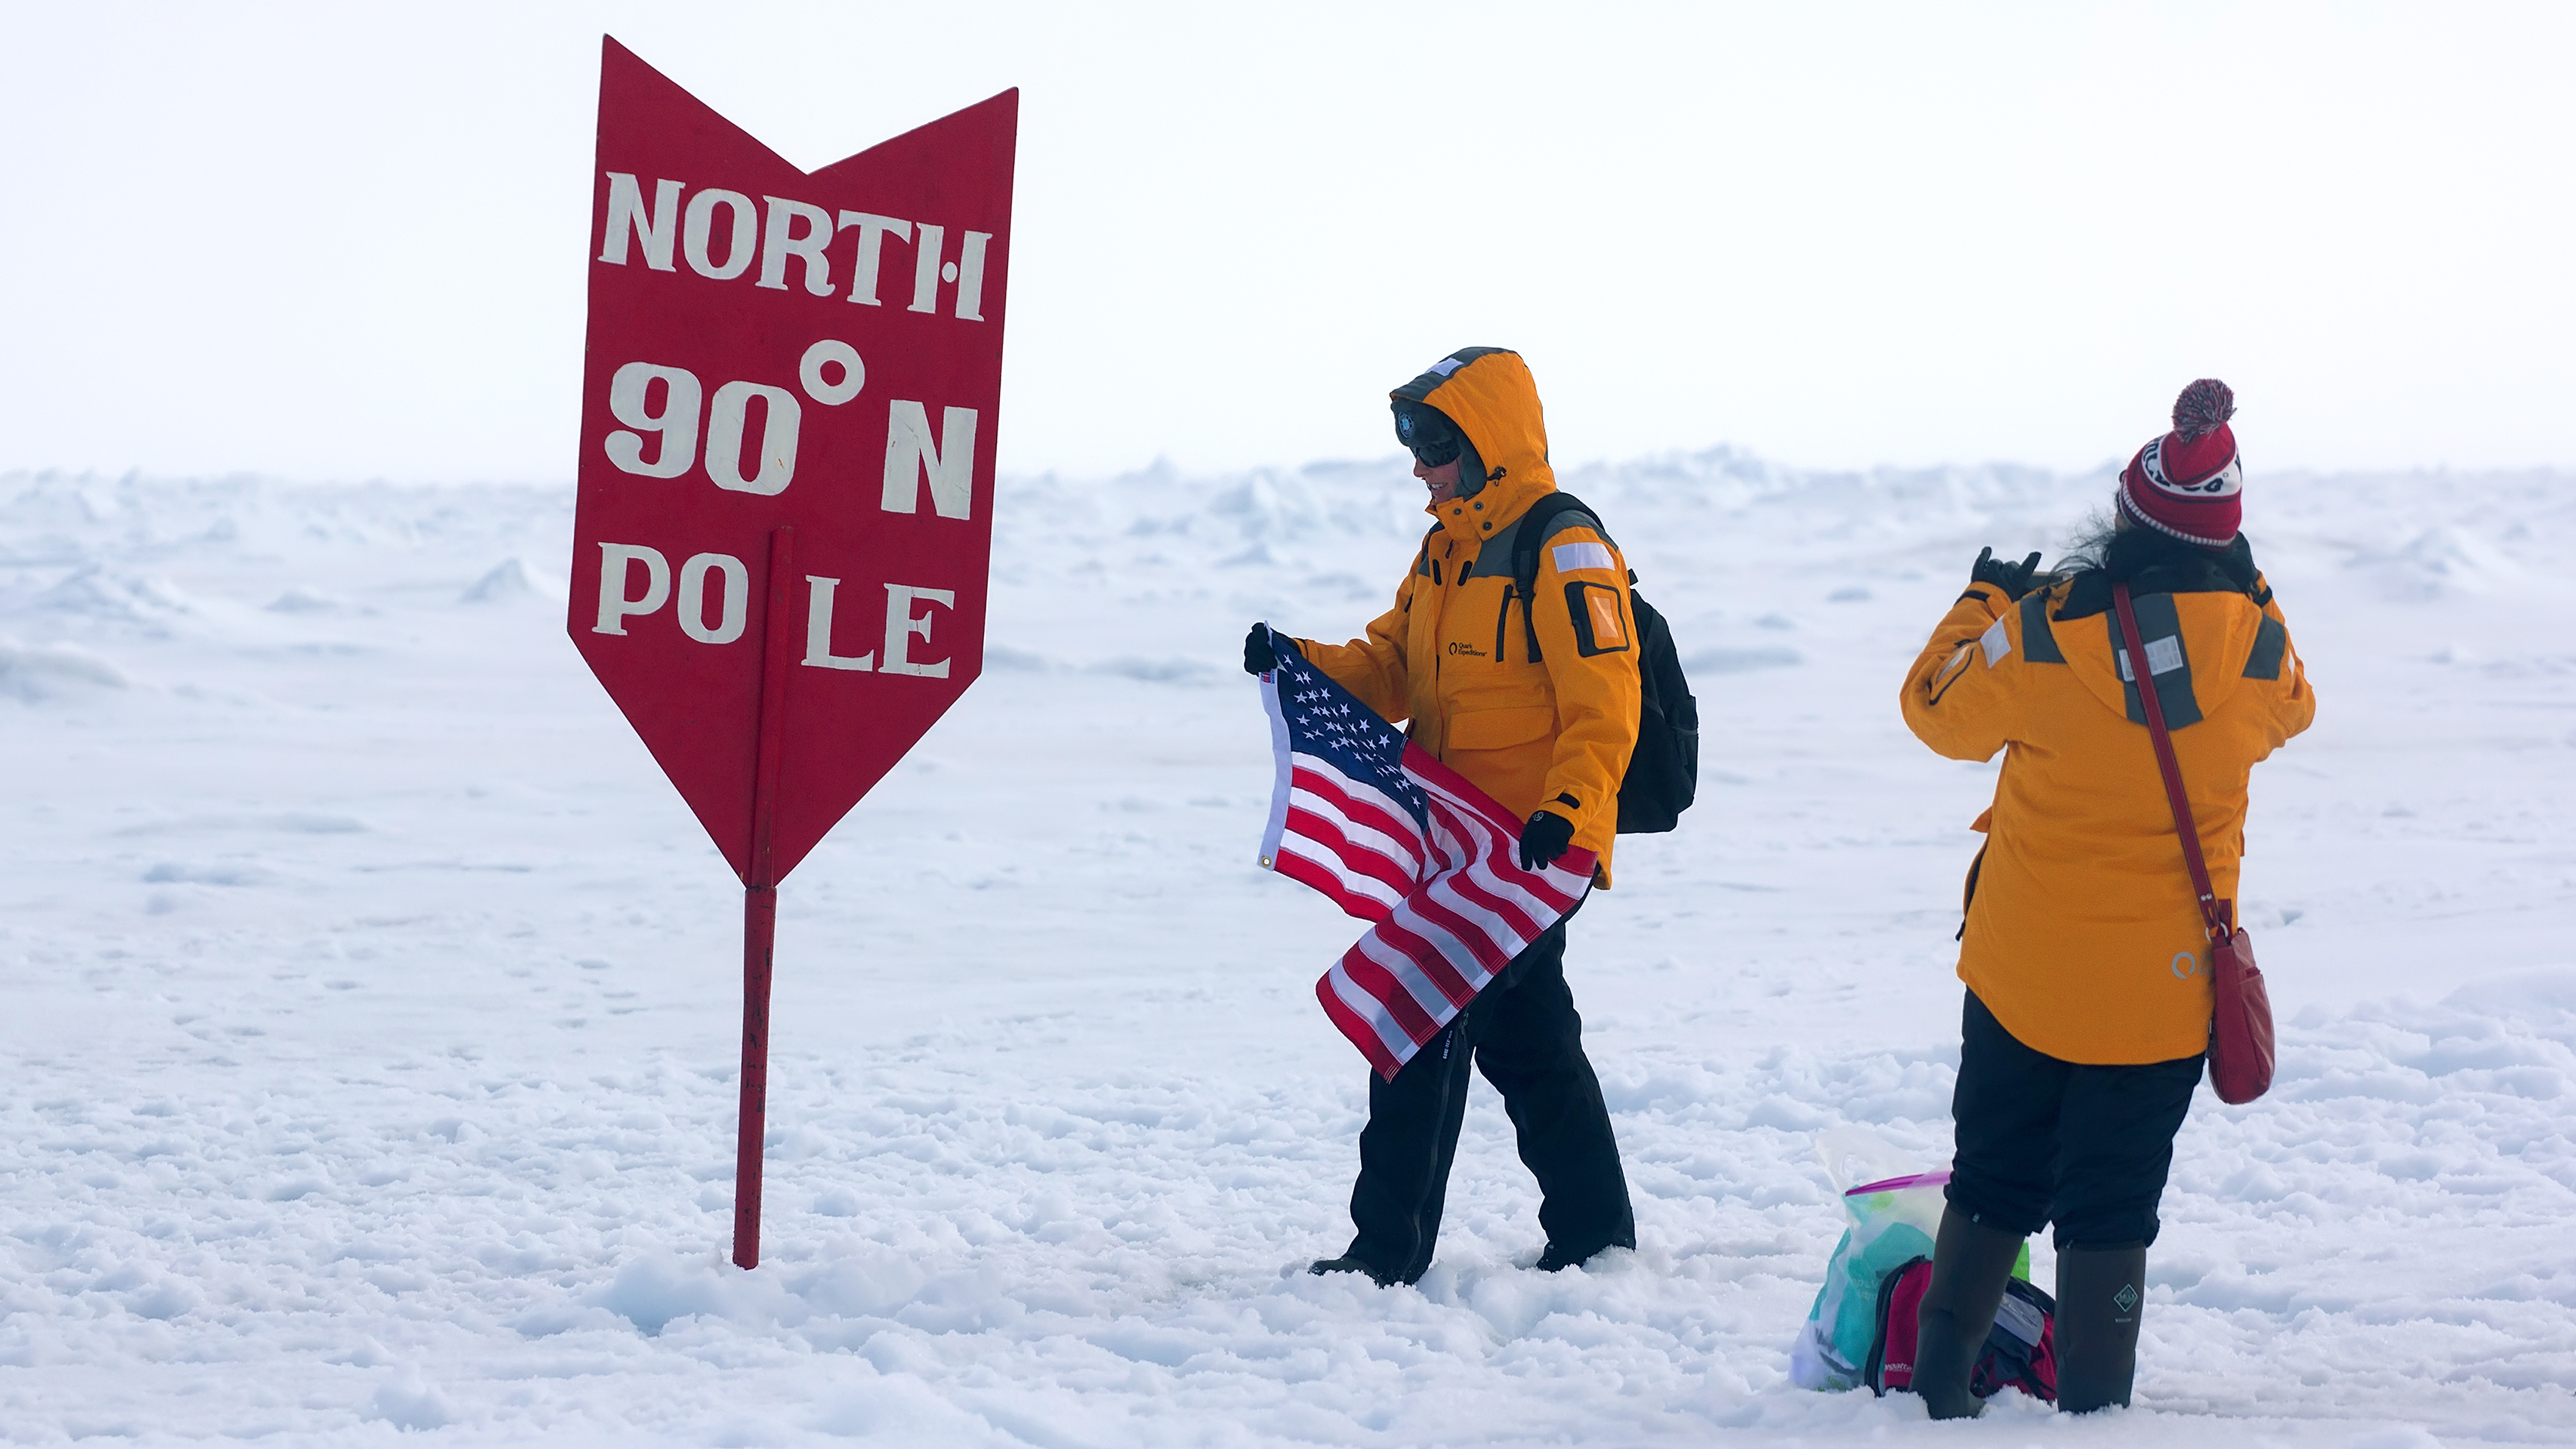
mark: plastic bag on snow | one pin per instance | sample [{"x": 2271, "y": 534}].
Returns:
[{"x": 1893, "y": 1209}]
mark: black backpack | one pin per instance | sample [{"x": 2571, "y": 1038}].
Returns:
[{"x": 1663, "y": 773}]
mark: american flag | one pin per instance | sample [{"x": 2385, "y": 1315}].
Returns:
[{"x": 1400, "y": 840}]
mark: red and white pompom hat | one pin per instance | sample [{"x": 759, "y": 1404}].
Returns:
[{"x": 2189, "y": 483}]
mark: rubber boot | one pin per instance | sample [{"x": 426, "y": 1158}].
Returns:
[
  {"x": 1970, "y": 1265},
  {"x": 2101, "y": 1294}
]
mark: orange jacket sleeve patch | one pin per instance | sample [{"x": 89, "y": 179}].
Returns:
[
  {"x": 1599, "y": 627},
  {"x": 1605, "y": 618}
]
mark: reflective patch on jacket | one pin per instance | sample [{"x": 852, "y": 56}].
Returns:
[
  {"x": 1572, "y": 556},
  {"x": 1995, "y": 642},
  {"x": 2166, "y": 660}
]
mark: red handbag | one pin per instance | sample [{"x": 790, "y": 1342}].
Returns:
[{"x": 2240, "y": 1028}]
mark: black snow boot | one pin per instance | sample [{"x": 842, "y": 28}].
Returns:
[
  {"x": 2101, "y": 1294},
  {"x": 1555, "y": 1259},
  {"x": 1970, "y": 1265},
  {"x": 1348, "y": 1264}
]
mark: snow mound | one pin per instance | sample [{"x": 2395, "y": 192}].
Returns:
[
  {"x": 508, "y": 581},
  {"x": 301, "y": 600},
  {"x": 232, "y": 873},
  {"x": 1723, "y": 660},
  {"x": 409, "y": 1403},
  {"x": 2437, "y": 560},
  {"x": 2528, "y": 994},
  {"x": 99, "y": 593},
  {"x": 35, "y": 673}
]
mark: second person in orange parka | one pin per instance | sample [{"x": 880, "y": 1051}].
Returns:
[{"x": 2084, "y": 951}]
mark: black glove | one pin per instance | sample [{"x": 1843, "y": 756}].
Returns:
[
  {"x": 1544, "y": 839},
  {"x": 1261, "y": 649},
  {"x": 2013, "y": 579}
]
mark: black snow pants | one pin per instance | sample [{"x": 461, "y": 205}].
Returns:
[
  {"x": 1523, "y": 1034},
  {"x": 2043, "y": 1140}
]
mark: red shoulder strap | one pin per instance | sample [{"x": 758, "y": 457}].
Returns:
[{"x": 2144, "y": 674}]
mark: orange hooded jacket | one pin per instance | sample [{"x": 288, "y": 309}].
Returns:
[
  {"x": 2083, "y": 933},
  {"x": 1452, "y": 657}
]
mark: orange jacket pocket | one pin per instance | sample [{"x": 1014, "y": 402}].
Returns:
[{"x": 1499, "y": 729}]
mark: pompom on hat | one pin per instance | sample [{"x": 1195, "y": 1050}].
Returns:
[{"x": 2189, "y": 484}]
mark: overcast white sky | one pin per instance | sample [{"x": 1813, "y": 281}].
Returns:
[{"x": 346, "y": 241}]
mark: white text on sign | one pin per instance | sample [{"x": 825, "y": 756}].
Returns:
[
  {"x": 671, "y": 426},
  {"x": 907, "y": 608},
  {"x": 784, "y": 232}
]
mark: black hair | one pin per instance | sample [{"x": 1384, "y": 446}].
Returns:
[
  {"x": 2108, "y": 544},
  {"x": 2090, "y": 548}
]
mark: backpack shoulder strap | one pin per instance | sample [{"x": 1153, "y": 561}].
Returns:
[
  {"x": 1422, "y": 561},
  {"x": 1552, "y": 514}
]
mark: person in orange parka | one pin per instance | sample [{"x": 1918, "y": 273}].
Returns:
[
  {"x": 1535, "y": 701},
  {"x": 2084, "y": 950}
]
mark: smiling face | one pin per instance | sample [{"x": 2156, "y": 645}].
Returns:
[{"x": 1441, "y": 479}]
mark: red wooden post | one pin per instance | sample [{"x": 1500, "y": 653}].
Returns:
[
  {"x": 759, "y": 931},
  {"x": 760, "y": 897}
]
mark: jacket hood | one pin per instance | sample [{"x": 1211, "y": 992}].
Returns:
[
  {"x": 1489, "y": 393},
  {"x": 2201, "y": 631}
]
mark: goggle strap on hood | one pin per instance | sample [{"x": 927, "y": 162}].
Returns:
[{"x": 1472, "y": 477}]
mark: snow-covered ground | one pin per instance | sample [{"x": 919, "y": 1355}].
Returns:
[{"x": 368, "y": 1002}]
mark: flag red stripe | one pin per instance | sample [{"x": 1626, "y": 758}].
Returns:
[
  {"x": 1368, "y": 811},
  {"x": 1373, "y": 1015},
  {"x": 1426, "y": 956},
  {"x": 1379, "y": 982},
  {"x": 1496, "y": 851},
  {"x": 1358, "y": 859},
  {"x": 1314, "y": 873},
  {"x": 1515, "y": 918},
  {"x": 1478, "y": 941},
  {"x": 1356, "y": 1027},
  {"x": 1462, "y": 792},
  {"x": 1478, "y": 837}
]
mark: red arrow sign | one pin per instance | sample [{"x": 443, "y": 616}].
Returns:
[{"x": 784, "y": 529}]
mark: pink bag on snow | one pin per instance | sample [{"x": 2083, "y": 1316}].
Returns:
[{"x": 2020, "y": 1350}]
